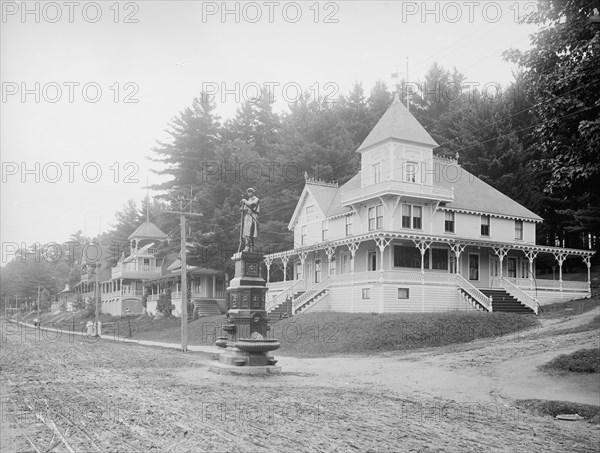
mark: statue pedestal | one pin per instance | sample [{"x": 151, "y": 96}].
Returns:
[{"x": 247, "y": 345}]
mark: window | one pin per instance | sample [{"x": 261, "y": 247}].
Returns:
[
  {"x": 524, "y": 269},
  {"x": 417, "y": 213},
  {"x": 332, "y": 266},
  {"x": 406, "y": 256},
  {"x": 376, "y": 172},
  {"x": 303, "y": 235},
  {"x": 406, "y": 208},
  {"x": 371, "y": 219},
  {"x": 379, "y": 216},
  {"x": 348, "y": 225},
  {"x": 324, "y": 228},
  {"x": 410, "y": 172},
  {"x": 449, "y": 222},
  {"x": 439, "y": 259},
  {"x": 519, "y": 229},
  {"x": 372, "y": 260},
  {"x": 366, "y": 293},
  {"x": 485, "y": 225},
  {"x": 345, "y": 262},
  {"x": 473, "y": 267},
  {"x": 403, "y": 293},
  {"x": 412, "y": 216},
  {"x": 511, "y": 265},
  {"x": 375, "y": 217},
  {"x": 310, "y": 209},
  {"x": 146, "y": 264},
  {"x": 318, "y": 270}
]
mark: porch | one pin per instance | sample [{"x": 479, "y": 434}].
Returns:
[
  {"x": 207, "y": 293},
  {"x": 378, "y": 273}
]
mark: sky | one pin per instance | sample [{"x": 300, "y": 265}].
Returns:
[{"x": 88, "y": 88}]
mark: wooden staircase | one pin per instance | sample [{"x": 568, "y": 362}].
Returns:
[
  {"x": 206, "y": 307},
  {"x": 502, "y": 301},
  {"x": 469, "y": 299},
  {"x": 283, "y": 310}
]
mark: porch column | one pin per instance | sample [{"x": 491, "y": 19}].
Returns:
[
  {"x": 530, "y": 254},
  {"x": 587, "y": 259},
  {"x": 121, "y": 287},
  {"x": 353, "y": 247},
  {"x": 501, "y": 252},
  {"x": 214, "y": 291},
  {"x": 268, "y": 262},
  {"x": 560, "y": 257},
  {"x": 423, "y": 246},
  {"x": 284, "y": 260},
  {"x": 303, "y": 254},
  {"x": 457, "y": 249},
  {"x": 382, "y": 243},
  {"x": 330, "y": 251}
]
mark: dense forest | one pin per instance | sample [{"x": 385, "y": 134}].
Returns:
[{"x": 537, "y": 140}]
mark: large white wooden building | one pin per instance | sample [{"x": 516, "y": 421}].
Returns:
[{"x": 414, "y": 232}]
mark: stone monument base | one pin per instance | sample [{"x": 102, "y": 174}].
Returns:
[{"x": 221, "y": 368}]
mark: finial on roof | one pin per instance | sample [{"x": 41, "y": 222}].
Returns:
[
  {"x": 321, "y": 182},
  {"x": 457, "y": 155}
]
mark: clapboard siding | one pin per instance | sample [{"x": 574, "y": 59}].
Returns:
[
  {"x": 384, "y": 298},
  {"x": 550, "y": 297},
  {"x": 321, "y": 305}
]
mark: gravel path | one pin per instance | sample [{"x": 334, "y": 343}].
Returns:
[{"x": 71, "y": 395}]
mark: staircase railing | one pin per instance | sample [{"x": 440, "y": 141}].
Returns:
[
  {"x": 474, "y": 292},
  {"x": 310, "y": 294},
  {"x": 284, "y": 295},
  {"x": 520, "y": 295}
]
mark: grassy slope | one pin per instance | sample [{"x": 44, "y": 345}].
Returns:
[
  {"x": 326, "y": 334},
  {"x": 581, "y": 361}
]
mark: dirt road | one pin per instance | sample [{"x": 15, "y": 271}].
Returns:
[{"x": 66, "y": 394}]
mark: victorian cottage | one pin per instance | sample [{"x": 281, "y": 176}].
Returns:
[{"x": 413, "y": 232}]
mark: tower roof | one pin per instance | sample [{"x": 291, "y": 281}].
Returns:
[
  {"x": 148, "y": 230},
  {"x": 397, "y": 123}
]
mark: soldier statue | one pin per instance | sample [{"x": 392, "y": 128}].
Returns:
[{"x": 249, "y": 229}]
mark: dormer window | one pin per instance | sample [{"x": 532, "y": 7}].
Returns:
[
  {"x": 376, "y": 173},
  {"x": 410, "y": 172}
]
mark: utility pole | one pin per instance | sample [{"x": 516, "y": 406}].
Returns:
[
  {"x": 38, "y": 307},
  {"x": 97, "y": 312},
  {"x": 183, "y": 258}
]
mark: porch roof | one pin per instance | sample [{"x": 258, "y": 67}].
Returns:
[
  {"x": 381, "y": 234},
  {"x": 176, "y": 274}
]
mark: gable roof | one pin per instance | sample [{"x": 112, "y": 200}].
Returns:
[
  {"x": 397, "y": 123},
  {"x": 473, "y": 194},
  {"x": 148, "y": 230},
  {"x": 323, "y": 195},
  {"x": 336, "y": 208},
  {"x": 470, "y": 194}
]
